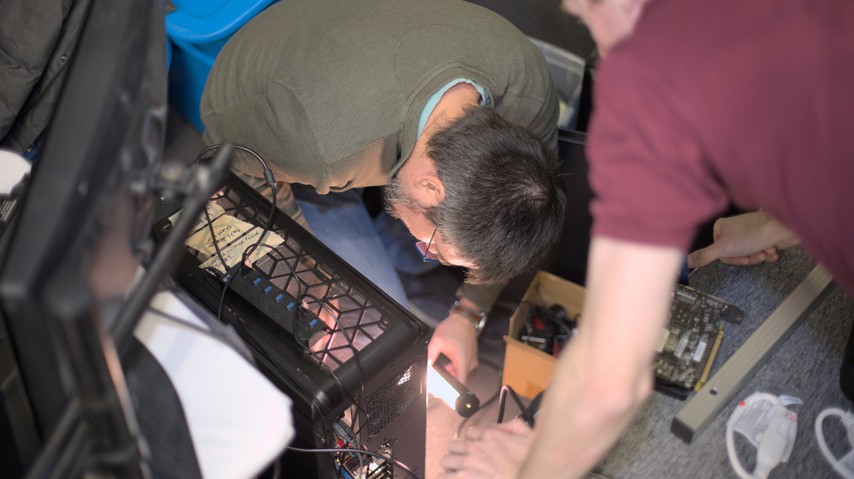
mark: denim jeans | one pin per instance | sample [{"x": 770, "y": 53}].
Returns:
[{"x": 342, "y": 222}]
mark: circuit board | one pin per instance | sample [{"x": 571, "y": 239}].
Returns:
[{"x": 690, "y": 342}]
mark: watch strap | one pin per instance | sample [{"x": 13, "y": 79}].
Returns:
[{"x": 477, "y": 317}]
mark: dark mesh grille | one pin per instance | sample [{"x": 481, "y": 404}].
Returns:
[
  {"x": 395, "y": 397},
  {"x": 317, "y": 286}
]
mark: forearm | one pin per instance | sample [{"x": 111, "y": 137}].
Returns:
[
  {"x": 585, "y": 424},
  {"x": 456, "y": 335},
  {"x": 604, "y": 375}
]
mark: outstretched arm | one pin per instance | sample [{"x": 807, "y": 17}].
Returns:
[
  {"x": 601, "y": 379},
  {"x": 749, "y": 238}
]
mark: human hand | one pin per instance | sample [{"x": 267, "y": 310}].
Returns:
[
  {"x": 746, "y": 239},
  {"x": 455, "y": 337},
  {"x": 493, "y": 452}
]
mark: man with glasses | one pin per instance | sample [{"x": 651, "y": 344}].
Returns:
[
  {"x": 428, "y": 255},
  {"x": 696, "y": 104},
  {"x": 443, "y": 102}
]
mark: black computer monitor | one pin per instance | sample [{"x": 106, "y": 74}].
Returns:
[{"x": 70, "y": 256}]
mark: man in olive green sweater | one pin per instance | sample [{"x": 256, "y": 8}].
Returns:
[{"x": 443, "y": 102}]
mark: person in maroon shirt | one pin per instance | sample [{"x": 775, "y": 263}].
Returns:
[{"x": 697, "y": 104}]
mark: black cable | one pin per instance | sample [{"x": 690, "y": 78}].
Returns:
[
  {"x": 361, "y": 464},
  {"x": 357, "y": 400},
  {"x": 246, "y": 253},
  {"x": 230, "y": 274},
  {"x": 260, "y": 350},
  {"x": 501, "y": 401},
  {"x": 213, "y": 237},
  {"x": 229, "y": 278},
  {"x": 271, "y": 183},
  {"x": 358, "y": 451},
  {"x": 269, "y": 226},
  {"x": 202, "y": 186},
  {"x": 237, "y": 147}
]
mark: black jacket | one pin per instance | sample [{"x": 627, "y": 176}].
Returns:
[{"x": 37, "y": 39}]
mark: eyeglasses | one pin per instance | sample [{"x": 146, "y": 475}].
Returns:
[{"x": 424, "y": 249}]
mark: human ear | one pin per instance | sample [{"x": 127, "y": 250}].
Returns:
[{"x": 432, "y": 190}]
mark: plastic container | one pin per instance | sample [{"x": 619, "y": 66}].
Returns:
[
  {"x": 567, "y": 70},
  {"x": 188, "y": 73},
  {"x": 198, "y": 29},
  {"x": 206, "y": 21},
  {"x": 168, "y": 55}
]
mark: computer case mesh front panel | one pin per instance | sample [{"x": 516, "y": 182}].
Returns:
[{"x": 360, "y": 381}]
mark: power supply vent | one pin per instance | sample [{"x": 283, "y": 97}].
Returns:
[{"x": 395, "y": 397}]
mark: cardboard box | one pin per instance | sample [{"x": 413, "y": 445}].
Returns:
[
  {"x": 684, "y": 356},
  {"x": 526, "y": 369}
]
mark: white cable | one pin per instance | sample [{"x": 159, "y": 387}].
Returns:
[
  {"x": 847, "y": 420},
  {"x": 772, "y": 446}
]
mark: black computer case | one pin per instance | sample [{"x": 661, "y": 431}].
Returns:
[{"x": 352, "y": 360}]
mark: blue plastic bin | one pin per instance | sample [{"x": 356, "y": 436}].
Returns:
[
  {"x": 189, "y": 71},
  {"x": 168, "y": 55},
  {"x": 198, "y": 29}
]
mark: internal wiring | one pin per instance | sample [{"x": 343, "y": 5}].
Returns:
[
  {"x": 246, "y": 253},
  {"x": 301, "y": 296},
  {"x": 358, "y": 451},
  {"x": 358, "y": 400}
]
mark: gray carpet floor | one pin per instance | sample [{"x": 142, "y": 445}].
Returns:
[{"x": 805, "y": 365}]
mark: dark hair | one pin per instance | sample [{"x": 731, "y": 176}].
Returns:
[{"x": 504, "y": 194}]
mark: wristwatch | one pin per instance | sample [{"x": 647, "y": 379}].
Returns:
[{"x": 477, "y": 317}]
